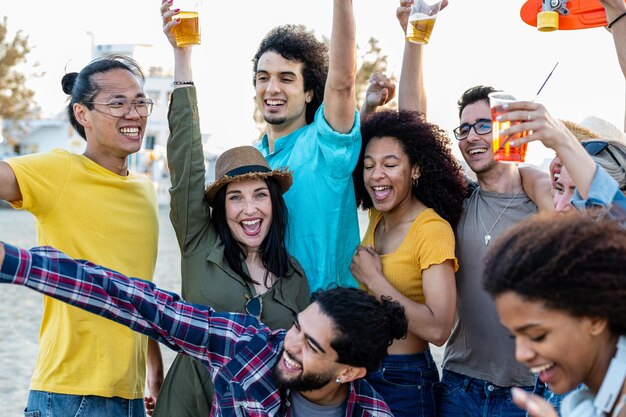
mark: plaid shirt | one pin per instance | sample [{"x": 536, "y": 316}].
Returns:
[{"x": 239, "y": 352}]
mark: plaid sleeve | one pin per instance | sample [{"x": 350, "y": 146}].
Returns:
[{"x": 193, "y": 329}]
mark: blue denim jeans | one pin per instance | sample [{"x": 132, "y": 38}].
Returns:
[
  {"x": 49, "y": 404},
  {"x": 542, "y": 390},
  {"x": 465, "y": 396},
  {"x": 407, "y": 383}
]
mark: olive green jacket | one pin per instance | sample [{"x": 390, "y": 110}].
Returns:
[{"x": 206, "y": 277}]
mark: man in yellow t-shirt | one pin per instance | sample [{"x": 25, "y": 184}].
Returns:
[{"x": 91, "y": 207}]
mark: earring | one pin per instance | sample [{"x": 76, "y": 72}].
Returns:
[
  {"x": 415, "y": 182},
  {"x": 338, "y": 381}
]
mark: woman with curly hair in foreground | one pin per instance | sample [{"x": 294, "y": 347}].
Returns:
[
  {"x": 414, "y": 189},
  {"x": 559, "y": 285}
]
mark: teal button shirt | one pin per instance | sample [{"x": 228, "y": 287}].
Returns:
[{"x": 323, "y": 226}]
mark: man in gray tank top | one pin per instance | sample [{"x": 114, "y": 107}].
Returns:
[{"x": 479, "y": 362}]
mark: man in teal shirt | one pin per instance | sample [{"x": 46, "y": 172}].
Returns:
[{"x": 320, "y": 143}]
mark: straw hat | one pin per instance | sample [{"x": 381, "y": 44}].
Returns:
[
  {"x": 604, "y": 129},
  {"x": 245, "y": 163}
]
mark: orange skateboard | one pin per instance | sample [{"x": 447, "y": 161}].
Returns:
[{"x": 550, "y": 15}]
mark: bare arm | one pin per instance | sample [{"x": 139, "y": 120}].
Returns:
[
  {"x": 538, "y": 187},
  {"x": 614, "y": 8},
  {"x": 154, "y": 377},
  {"x": 431, "y": 321},
  {"x": 552, "y": 133},
  {"x": 339, "y": 92},
  {"x": 9, "y": 188},
  {"x": 182, "y": 56},
  {"x": 412, "y": 91}
]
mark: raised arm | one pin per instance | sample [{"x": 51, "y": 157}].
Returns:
[
  {"x": 411, "y": 91},
  {"x": 339, "y": 92},
  {"x": 614, "y": 10},
  {"x": 411, "y": 88},
  {"x": 137, "y": 304},
  {"x": 553, "y": 134},
  {"x": 9, "y": 189},
  {"x": 185, "y": 155}
]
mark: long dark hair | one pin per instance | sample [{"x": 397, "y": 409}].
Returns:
[
  {"x": 81, "y": 87},
  {"x": 273, "y": 250},
  {"x": 441, "y": 183}
]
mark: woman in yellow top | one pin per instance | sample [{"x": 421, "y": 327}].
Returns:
[{"x": 414, "y": 189}]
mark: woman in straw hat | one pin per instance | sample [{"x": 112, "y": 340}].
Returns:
[{"x": 232, "y": 241}]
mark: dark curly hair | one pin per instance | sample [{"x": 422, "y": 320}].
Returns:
[
  {"x": 473, "y": 95},
  {"x": 364, "y": 327},
  {"x": 442, "y": 185},
  {"x": 296, "y": 43},
  {"x": 568, "y": 262},
  {"x": 82, "y": 88}
]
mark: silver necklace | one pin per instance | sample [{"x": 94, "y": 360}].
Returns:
[{"x": 488, "y": 232}]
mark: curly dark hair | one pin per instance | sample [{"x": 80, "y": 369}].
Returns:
[
  {"x": 364, "y": 327},
  {"x": 568, "y": 262},
  {"x": 442, "y": 185},
  {"x": 473, "y": 95},
  {"x": 296, "y": 43}
]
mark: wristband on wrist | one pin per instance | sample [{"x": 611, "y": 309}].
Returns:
[
  {"x": 615, "y": 20},
  {"x": 183, "y": 82}
]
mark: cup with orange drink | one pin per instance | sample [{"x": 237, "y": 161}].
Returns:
[{"x": 502, "y": 149}]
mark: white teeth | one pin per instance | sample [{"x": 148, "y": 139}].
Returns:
[
  {"x": 541, "y": 368},
  {"x": 130, "y": 131},
  {"x": 381, "y": 188},
  {"x": 477, "y": 151},
  {"x": 250, "y": 222},
  {"x": 275, "y": 102},
  {"x": 291, "y": 364}
]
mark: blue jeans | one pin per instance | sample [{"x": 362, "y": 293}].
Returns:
[
  {"x": 407, "y": 383},
  {"x": 465, "y": 396},
  {"x": 542, "y": 390},
  {"x": 49, "y": 404}
]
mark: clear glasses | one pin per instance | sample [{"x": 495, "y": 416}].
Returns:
[
  {"x": 121, "y": 106},
  {"x": 481, "y": 127}
]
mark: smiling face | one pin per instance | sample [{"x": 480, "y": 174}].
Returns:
[
  {"x": 476, "y": 149},
  {"x": 108, "y": 135},
  {"x": 564, "y": 350},
  {"x": 388, "y": 174},
  {"x": 280, "y": 94},
  {"x": 564, "y": 188},
  {"x": 308, "y": 362},
  {"x": 248, "y": 212}
]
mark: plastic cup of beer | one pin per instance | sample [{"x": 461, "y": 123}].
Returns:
[
  {"x": 422, "y": 20},
  {"x": 502, "y": 149},
  {"x": 187, "y": 32}
]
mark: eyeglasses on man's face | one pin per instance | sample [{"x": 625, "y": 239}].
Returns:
[
  {"x": 119, "y": 107},
  {"x": 481, "y": 127}
]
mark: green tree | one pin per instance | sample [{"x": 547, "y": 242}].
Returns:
[{"x": 16, "y": 101}]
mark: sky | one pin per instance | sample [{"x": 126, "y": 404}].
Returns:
[{"x": 474, "y": 42}]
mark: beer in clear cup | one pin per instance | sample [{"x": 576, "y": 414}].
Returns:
[
  {"x": 502, "y": 149},
  {"x": 422, "y": 20}
]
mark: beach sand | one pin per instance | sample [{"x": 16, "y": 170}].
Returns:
[{"x": 21, "y": 309}]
